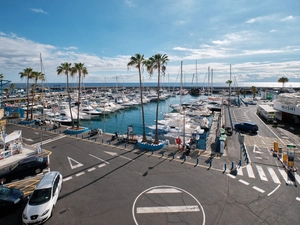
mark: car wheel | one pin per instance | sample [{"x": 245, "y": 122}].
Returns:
[{"x": 37, "y": 171}]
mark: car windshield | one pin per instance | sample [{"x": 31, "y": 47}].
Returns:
[
  {"x": 4, "y": 192},
  {"x": 40, "y": 196}
]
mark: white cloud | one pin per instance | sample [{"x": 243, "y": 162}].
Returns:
[
  {"x": 39, "y": 11},
  {"x": 262, "y": 18},
  {"x": 129, "y": 3},
  {"x": 288, "y": 18}
]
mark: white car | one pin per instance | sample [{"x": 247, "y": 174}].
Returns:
[{"x": 40, "y": 205}]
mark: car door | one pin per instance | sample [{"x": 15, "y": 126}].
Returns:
[{"x": 20, "y": 171}]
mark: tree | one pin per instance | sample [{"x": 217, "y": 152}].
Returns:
[
  {"x": 283, "y": 80},
  {"x": 253, "y": 90},
  {"x": 244, "y": 92},
  {"x": 35, "y": 76},
  {"x": 157, "y": 62},
  {"x": 1, "y": 76},
  {"x": 138, "y": 62},
  {"x": 66, "y": 68},
  {"x": 27, "y": 73},
  {"x": 6, "y": 90},
  {"x": 81, "y": 70},
  {"x": 12, "y": 88}
]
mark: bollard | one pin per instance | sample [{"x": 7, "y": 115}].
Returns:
[
  {"x": 232, "y": 165},
  {"x": 162, "y": 153},
  {"x": 95, "y": 139},
  {"x": 210, "y": 163},
  {"x": 184, "y": 158},
  {"x": 89, "y": 138},
  {"x": 173, "y": 155},
  {"x": 102, "y": 140},
  {"x": 117, "y": 144},
  {"x": 240, "y": 162},
  {"x": 60, "y": 131},
  {"x": 197, "y": 161},
  {"x": 152, "y": 151},
  {"x": 81, "y": 136},
  {"x": 109, "y": 142},
  {"x": 76, "y": 135},
  {"x": 133, "y": 147},
  {"x": 225, "y": 167},
  {"x": 45, "y": 128},
  {"x": 125, "y": 145},
  {"x": 247, "y": 160}
]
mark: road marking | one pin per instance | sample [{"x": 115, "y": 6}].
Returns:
[
  {"x": 116, "y": 154},
  {"x": 283, "y": 174},
  {"x": 27, "y": 139},
  {"x": 90, "y": 170},
  {"x": 240, "y": 171},
  {"x": 101, "y": 165},
  {"x": 258, "y": 157},
  {"x": 99, "y": 159},
  {"x": 66, "y": 179},
  {"x": 49, "y": 140},
  {"x": 261, "y": 173},
  {"x": 78, "y": 164},
  {"x": 163, "y": 191},
  {"x": 274, "y": 176},
  {"x": 274, "y": 190},
  {"x": 244, "y": 182},
  {"x": 297, "y": 177},
  {"x": 79, "y": 174},
  {"x": 298, "y": 199},
  {"x": 250, "y": 171},
  {"x": 230, "y": 175},
  {"x": 258, "y": 189},
  {"x": 168, "y": 209}
]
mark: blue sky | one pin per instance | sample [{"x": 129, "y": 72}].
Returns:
[{"x": 260, "y": 39}]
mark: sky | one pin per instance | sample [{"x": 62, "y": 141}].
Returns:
[{"x": 259, "y": 40}]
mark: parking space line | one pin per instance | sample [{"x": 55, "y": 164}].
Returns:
[
  {"x": 230, "y": 175},
  {"x": 244, "y": 182},
  {"x": 67, "y": 178},
  {"x": 258, "y": 189},
  {"x": 163, "y": 191},
  {"x": 101, "y": 165},
  {"x": 79, "y": 174},
  {"x": 90, "y": 170}
]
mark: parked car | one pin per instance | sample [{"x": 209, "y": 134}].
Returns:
[
  {"x": 247, "y": 127},
  {"x": 40, "y": 205},
  {"x": 25, "y": 167},
  {"x": 10, "y": 197},
  {"x": 252, "y": 102}
]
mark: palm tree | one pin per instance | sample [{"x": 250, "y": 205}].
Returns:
[
  {"x": 158, "y": 62},
  {"x": 27, "y": 73},
  {"x": 1, "y": 76},
  {"x": 253, "y": 90},
  {"x": 6, "y": 90},
  {"x": 12, "y": 88},
  {"x": 81, "y": 70},
  {"x": 66, "y": 68},
  {"x": 138, "y": 61},
  {"x": 283, "y": 80},
  {"x": 35, "y": 76},
  {"x": 244, "y": 92}
]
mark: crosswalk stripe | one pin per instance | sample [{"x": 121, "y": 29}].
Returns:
[
  {"x": 283, "y": 174},
  {"x": 258, "y": 189},
  {"x": 250, "y": 171},
  {"x": 297, "y": 178},
  {"x": 261, "y": 173},
  {"x": 240, "y": 171},
  {"x": 273, "y": 175}
]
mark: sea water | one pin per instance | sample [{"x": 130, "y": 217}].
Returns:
[{"x": 119, "y": 121}]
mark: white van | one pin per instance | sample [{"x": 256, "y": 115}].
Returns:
[{"x": 43, "y": 199}]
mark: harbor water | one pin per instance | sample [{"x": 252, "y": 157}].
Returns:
[{"x": 119, "y": 121}]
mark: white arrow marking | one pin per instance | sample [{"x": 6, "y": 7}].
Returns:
[
  {"x": 116, "y": 154},
  {"x": 78, "y": 164},
  {"x": 99, "y": 159},
  {"x": 29, "y": 139}
]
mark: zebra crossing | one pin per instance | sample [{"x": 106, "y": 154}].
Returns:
[{"x": 267, "y": 174}]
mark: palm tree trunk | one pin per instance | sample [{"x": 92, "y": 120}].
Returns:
[
  {"x": 27, "y": 118},
  {"x": 142, "y": 106},
  {"x": 78, "y": 101},
  {"x": 69, "y": 96},
  {"x": 156, "y": 141}
]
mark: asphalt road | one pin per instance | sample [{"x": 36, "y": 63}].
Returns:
[{"x": 106, "y": 184}]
